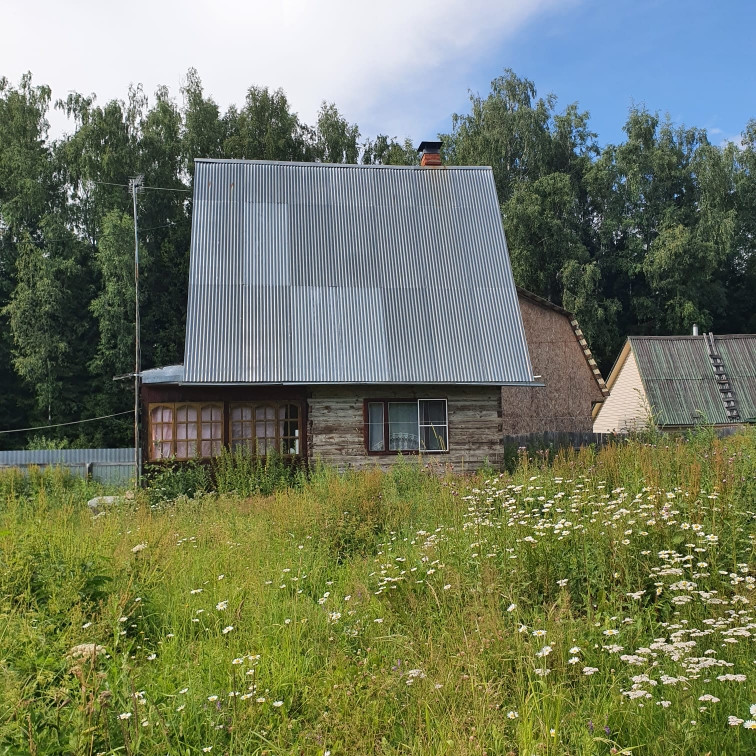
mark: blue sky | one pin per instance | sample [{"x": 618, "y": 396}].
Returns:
[
  {"x": 402, "y": 66},
  {"x": 694, "y": 60}
]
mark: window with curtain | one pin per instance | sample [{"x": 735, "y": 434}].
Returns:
[
  {"x": 185, "y": 430},
  {"x": 161, "y": 431},
  {"x": 419, "y": 425}
]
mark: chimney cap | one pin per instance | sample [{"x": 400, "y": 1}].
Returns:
[{"x": 430, "y": 148}]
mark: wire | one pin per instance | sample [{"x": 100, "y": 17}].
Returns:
[
  {"x": 73, "y": 422},
  {"x": 166, "y": 189},
  {"x": 157, "y": 188}
]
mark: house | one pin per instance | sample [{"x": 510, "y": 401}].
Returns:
[
  {"x": 563, "y": 362},
  {"x": 350, "y": 314},
  {"x": 680, "y": 381}
]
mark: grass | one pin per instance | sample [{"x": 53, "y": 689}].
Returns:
[{"x": 592, "y": 603}]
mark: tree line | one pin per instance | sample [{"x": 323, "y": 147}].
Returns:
[{"x": 645, "y": 237}]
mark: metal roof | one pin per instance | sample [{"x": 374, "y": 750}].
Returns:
[
  {"x": 739, "y": 356},
  {"x": 317, "y": 273},
  {"x": 679, "y": 380},
  {"x": 167, "y": 374}
]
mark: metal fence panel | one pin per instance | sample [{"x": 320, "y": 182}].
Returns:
[{"x": 109, "y": 466}]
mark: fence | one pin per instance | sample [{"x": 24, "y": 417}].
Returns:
[
  {"x": 110, "y": 466},
  {"x": 551, "y": 439}
]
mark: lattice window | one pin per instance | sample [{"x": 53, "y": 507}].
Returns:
[
  {"x": 266, "y": 427},
  {"x": 288, "y": 428},
  {"x": 161, "y": 431},
  {"x": 185, "y": 430},
  {"x": 211, "y": 430},
  {"x": 243, "y": 427}
]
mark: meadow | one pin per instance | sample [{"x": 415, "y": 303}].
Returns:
[{"x": 592, "y": 602}]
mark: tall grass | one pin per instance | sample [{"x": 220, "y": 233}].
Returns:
[{"x": 588, "y": 603}]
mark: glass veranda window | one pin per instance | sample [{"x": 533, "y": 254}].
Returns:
[
  {"x": 186, "y": 432},
  {"x": 266, "y": 427},
  {"x": 242, "y": 427},
  {"x": 211, "y": 430},
  {"x": 288, "y": 428},
  {"x": 161, "y": 432}
]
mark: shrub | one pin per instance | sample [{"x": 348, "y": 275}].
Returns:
[
  {"x": 240, "y": 472},
  {"x": 171, "y": 480}
]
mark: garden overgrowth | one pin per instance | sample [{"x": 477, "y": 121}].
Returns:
[{"x": 591, "y": 602}]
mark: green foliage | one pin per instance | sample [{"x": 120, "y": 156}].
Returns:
[
  {"x": 37, "y": 315},
  {"x": 114, "y": 306},
  {"x": 170, "y": 480},
  {"x": 337, "y": 139},
  {"x": 244, "y": 474},
  {"x": 646, "y": 236},
  {"x": 43, "y": 442}
]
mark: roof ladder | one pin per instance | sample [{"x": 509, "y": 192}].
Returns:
[{"x": 723, "y": 382}]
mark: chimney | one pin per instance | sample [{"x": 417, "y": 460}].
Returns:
[
  {"x": 695, "y": 329},
  {"x": 431, "y": 153}
]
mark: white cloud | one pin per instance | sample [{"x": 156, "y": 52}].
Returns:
[{"x": 394, "y": 65}]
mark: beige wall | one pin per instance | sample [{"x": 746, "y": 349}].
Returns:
[
  {"x": 626, "y": 407},
  {"x": 564, "y": 405},
  {"x": 336, "y": 434}
]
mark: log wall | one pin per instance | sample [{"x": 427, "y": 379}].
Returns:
[{"x": 336, "y": 426}]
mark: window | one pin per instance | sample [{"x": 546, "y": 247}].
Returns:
[
  {"x": 161, "y": 431},
  {"x": 406, "y": 426},
  {"x": 242, "y": 427},
  {"x": 266, "y": 427},
  {"x": 185, "y": 431},
  {"x": 189, "y": 430},
  {"x": 211, "y": 430}
]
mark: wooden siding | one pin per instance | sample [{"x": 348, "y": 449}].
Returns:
[
  {"x": 626, "y": 408},
  {"x": 564, "y": 404},
  {"x": 336, "y": 430}
]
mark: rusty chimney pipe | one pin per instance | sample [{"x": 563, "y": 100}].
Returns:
[{"x": 430, "y": 153}]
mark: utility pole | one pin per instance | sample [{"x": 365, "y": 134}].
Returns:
[{"x": 135, "y": 186}]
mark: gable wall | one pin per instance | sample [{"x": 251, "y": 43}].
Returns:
[
  {"x": 336, "y": 426},
  {"x": 626, "y": 407},
  {"x": 564, "y": 405}
]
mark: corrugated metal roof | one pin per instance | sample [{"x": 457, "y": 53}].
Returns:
[
  {"x": 738, "y": 353},
  {"x": 167, "y": 374},
  {"x": 679, "y": 380},
  {"x": 316, "y": 273}
]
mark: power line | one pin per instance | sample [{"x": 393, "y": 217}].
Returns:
[
  {"x": 73, "y": 422},
  {"x": 156, "y": 188},
  {"x": 48, "y": 239}
]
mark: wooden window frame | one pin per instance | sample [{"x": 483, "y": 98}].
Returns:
[
  {"x": 277, "y": 406},
  {"x": 175, "y": 407},
  {"x": 386, "y": 452},
  {"x": 162, "y": 406}
]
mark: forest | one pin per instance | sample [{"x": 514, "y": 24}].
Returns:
[{"x": 643, "y": 237}]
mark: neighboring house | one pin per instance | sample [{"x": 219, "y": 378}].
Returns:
[
  {"x": 680, "y": 381},
  {"x": 563, "y": 362},
  {"x": 350, "y": 314}
]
